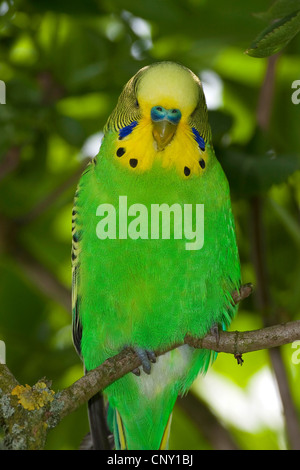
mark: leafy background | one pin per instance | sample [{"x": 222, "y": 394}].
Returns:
[{"x": 64, "y": 64}]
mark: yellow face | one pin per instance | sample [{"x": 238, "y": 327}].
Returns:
[{"x": 167, "y": 94}]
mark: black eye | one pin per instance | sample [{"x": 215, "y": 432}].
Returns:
[{"x": 136, "y": 104}]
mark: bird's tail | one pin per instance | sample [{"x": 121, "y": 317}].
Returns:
[
  {"x": 98, "y": 425},
  {"x": 166, "y": 435},
  {"x": 120, "y": 435},
  {"x": 121, "y": 441}
]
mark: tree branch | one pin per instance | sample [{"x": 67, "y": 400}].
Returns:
[
  {"x": 35, "y": 410},
  {"x": 233, "y": 342}
]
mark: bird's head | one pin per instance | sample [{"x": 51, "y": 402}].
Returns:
[
  {"x": 165, "y": 97},
  {"x": 168, "y": 93}
]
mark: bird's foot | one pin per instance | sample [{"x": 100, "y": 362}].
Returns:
[{"x": 146, "y": 357}]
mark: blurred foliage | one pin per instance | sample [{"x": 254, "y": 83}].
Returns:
[
  {"x": 64, "y": 65},
  {"x": 285, "y": 24}
]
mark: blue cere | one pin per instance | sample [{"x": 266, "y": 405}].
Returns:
[
  {"x": 174, "y": 115},
  {"x": 199, "y": 139},
  {"x": 158, "y": 113},
  {"x": 127, "y": 130}
]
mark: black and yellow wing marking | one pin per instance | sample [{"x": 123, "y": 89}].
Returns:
[
  {"x": 77, "y": 233},
  {"x": 96, "y": 407},
  {"x": 75, "y": 252}
]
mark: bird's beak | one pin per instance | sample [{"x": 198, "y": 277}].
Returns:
[{"x": 163, "y": 132}]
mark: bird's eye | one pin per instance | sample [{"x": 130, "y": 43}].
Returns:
[{"x": 136, "y": 104}]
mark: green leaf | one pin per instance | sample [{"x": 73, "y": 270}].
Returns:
[
  {"x": 276, "y": 36},
  {"x": 279, "y": 9}
]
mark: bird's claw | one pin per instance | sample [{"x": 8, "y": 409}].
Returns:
[{"x": 146, "y": 357}]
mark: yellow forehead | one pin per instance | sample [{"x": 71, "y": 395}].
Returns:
[{"x": 169, "y": 85}]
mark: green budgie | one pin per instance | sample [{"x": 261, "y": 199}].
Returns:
[{"x": 154, "y": 251}]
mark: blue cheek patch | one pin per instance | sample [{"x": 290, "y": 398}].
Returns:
[
  {"x": 127, "y": 130},
  {"x": 200, "y": 141}
]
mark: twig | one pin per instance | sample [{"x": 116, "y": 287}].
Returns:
[
  {"x": 50, "y": 198},
  {"x": 42, "y": 278},
  {"x": 241, "y": 342},
  {"x": 36, "y": 272},
  {"x": 10, "y": 161},
  {"x": 265, "y": 99}
]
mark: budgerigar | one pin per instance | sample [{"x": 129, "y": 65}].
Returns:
[{"x": 154, "y": 249}]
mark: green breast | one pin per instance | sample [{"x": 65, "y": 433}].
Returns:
[{"x": 145, "y": 283}]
